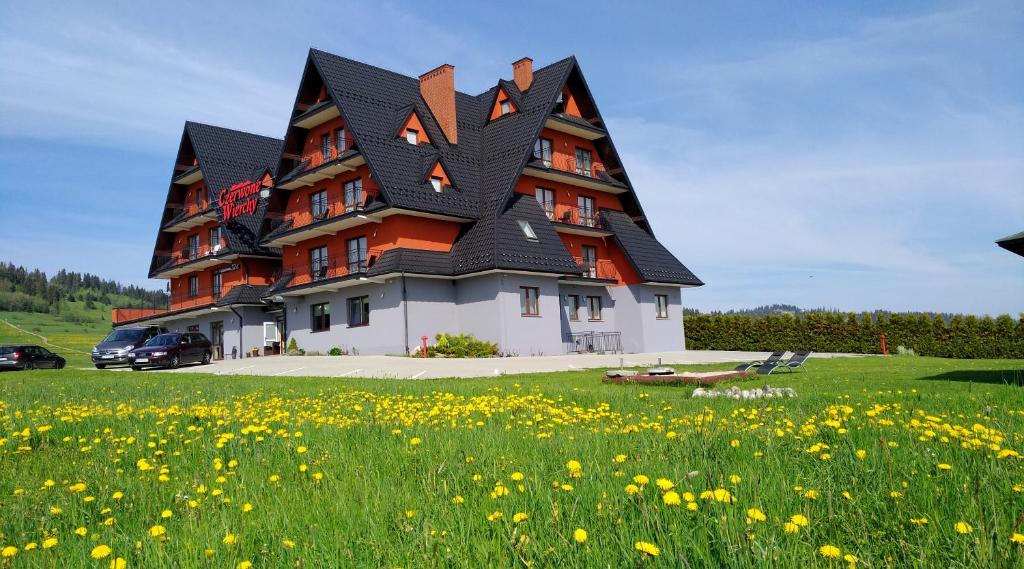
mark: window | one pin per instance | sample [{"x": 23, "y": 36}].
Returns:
[
  {"x": 325, "y": 147},
  {"x": 359, "y": 311},
  {"x": 188, "y": 337},
  {"x": 588, "y": 211},
  {"x": 661, "y": 302},
  {"x": 506, "y": 107},
  {"x": 193, "y": 247},
  {"x": 572, "y": 302},
  {"x": 411, "y": 136},
  {"x": 529, "y": 305},
  {"x": 218, "y": 281},
  {"x": 200, "y": 197},
  {"x": 583, "y": 162},
  {"x": 339, "y": 140},
  {"x": 354, "y": 198},
  {"x": 542, "y": 151},
  {"x": 320, "y": 317},
  {"x": 437, "y": 183},
  {"x": 546, "y": 199},
  {"x": 193, "y": 286},
  {"x": 527, "y": 230},
  {"x": 589, "y": 261},
  {"x": 594, "y": 307},
  {"x": 214, "y": 238},
  {"x": 318, "y": 263},
  {"x": 356, "y": 255},
  {"x": 318, "y": 204}
]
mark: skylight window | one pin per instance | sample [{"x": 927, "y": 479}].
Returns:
[
  {"x": 412, "y": 136},
  {"x": 527, "y": 230}
]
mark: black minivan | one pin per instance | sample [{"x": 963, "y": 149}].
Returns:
[{"x": 114, "y": 349}]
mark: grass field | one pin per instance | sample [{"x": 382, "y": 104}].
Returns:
[
  {"x": 880, "y": 462},
  {"x": 75, "y": 339}
]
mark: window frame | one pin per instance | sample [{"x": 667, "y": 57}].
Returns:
[
  {"x": 363, "y": 303},
  {"x": 584, "y": 152},
  {"x": 318, "y": 259},
  {"x": 339, "y": 139},
  {"x": 586, "y": 207},
  {"x": 525, "y": 308},
  {"x": 325, "y": 147},
  {"x": 572, "y": 302},
  {"x": 318, "y": 205},
  {"x": 539, "y": 148},
  {"x": 192, "y": 246},
  {"x": 361, "y": 254},
  {"x": 193, "y": 286},
  {"x": 412, "y": 136},
  {"x": 505, "y": 106},
  {"x": 217, "y": 285},
  {"x": 661, "y": 306},
  {"x": 590, "y": 309},
  {"x": 215, "y": 237},
  {"x": 589, "y": 262},
  {"x": 353, "y": 194},
  {"x": 545, "y": 204},
  {"x": 437, "y": 182},
  {"x": 320, "y": 322},
  {"x": 200, "y": 197}
]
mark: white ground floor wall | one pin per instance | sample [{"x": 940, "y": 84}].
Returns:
[
  {"x": 242, "y": 331},
  {"x": 402, "y": 311}
]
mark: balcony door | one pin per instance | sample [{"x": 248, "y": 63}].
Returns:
[
  {"x": 318, "y": 205},
  {"x": 318, "y": 263},
  {"x": 588, "y": 211},
  {"x": 589, "y": 263},
  {"x": 192, "y": 250},
  {"x": 218, "y": 283},
  {"x": 546, "y": 199},
  {"x": 357, "y": 255},
  {"x": 583, "y": 162},
  {"x": 217, "y": 339},
  {"x": 354, "y": 198},
  {"x": 542, "y": 151}
]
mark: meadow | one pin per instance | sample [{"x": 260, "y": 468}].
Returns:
[{"x": 879, "y": 462}]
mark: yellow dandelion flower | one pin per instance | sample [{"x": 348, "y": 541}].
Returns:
[
  {"x": 458, "y": 500},
  {"x": 81, "y": 532},
  {"x": 118, "y": 563},
  {"x": 49, "y": 542},
  {"x": 755, "y": 514},
  {"x": 1017, "y": 538},
  {"x": 519, "y": 517},
  {"x": 919, "y": 521},
  {"x": 9, "y": 551},
  {"x": 517, "y": 476},
  {"x": 288, "y": 544},
  {"x": 230, "y": 539},
  {"x": 671, "y": 498},
  {"x": 632, "y": 489},
  {"x": 945, "y": 466},
  {"x": 166, "y": 514},
  {"x": 100, "y": 551},
  {"x": 647, "y": 548},
  {"x": 799, "y": 519},
  {"x": 157, "y": 531},
  {"x": 861, "y": 454},
  {"x": 830, "y": 551},
  {"x": 244, "y": 565},
  {"x": 790, "y": 527},
  {"x": 641, "y": 479},
  {"x": 247, "y": 507},
  {"x": 415, "y": 441},
  {"x": 664, "y": 484},
  {"x": 620, "y": 458},
  {"x": 580, "y": 535},
  {"x": 963, "y": 527}
]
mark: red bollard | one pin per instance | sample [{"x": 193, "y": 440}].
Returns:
[
  {"x": 424, "y": 350},
  {"x": 885, "y": 350}
]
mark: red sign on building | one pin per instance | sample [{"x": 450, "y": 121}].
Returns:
[{"x": 240, "y": 199}]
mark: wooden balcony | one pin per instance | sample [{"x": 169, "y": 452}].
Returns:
[
  {"x": 572, "y": 219},
  {"x": 568, "y": 170}
]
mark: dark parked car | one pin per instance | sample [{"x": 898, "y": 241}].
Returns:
[
  {"x": 28, "y": 356},
  {"x": 172, "y": 350},
  {"x": 114, "y": 349}
]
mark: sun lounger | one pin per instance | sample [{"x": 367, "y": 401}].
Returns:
[
  {"x": 797, "y": 361},
  {"x": 775, "y": 357}
]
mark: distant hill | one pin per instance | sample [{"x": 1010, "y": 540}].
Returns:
[{"x": 70, "y": 296}]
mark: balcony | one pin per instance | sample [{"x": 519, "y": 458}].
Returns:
[
  {"x": 194, "y": 215},
  {"x": 188, "y": 174},
  {"x": 600, "y": 272},
  {"x": 323, "y": 275},
  {"x": 315, "y": 167},
  {"x": 572, "y": 219},
  {"x": 192, "y": 259},
  {"x": 316, "y": 115},
  {"x": 201, "y": 296},
  {"x": 568, "y": 170},
  {"x": 575, "y": 126},
  {"x": 336, "y": 217}
]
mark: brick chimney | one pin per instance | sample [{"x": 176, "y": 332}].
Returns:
[
  {"x": 437, "y": 87},
  {"x": 522, "y": 73}
]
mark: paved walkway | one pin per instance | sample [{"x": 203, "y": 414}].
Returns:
[{"x": 419, "y": 368}]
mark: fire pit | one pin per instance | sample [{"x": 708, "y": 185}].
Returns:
[{"x": 668, "y": 376}]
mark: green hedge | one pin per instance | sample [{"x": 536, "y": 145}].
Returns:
[{"x": 961, "y": 337}]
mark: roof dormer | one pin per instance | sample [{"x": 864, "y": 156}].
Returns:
[
  {"x": 503, "y": 104},
  {"x": 438, "y": 178},
  {"x": 412, "y": 130}
]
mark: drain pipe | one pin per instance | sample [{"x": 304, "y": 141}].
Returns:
[
  {"x": 405, "y": 312},
  {"x": 241, "y": 326}
]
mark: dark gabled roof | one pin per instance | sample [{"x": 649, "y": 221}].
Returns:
[
  {"x": 413, "y": 261},
  {"x": 226, "y": 157},
  {"x": 1013, "y": 243},
  {"x": 243, "y": 294},
  {"x": 652, "y": 261}
]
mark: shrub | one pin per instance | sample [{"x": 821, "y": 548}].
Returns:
[
  {"x": 461, "y": 346},
  {"x": 336, "y": 351},
  {"x": 293, "y": 346}
]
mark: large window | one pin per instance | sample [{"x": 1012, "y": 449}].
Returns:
[
  {"x": 529, "y": 303},
  {"x": 589, "y": 263},
  {"x": 193, "y": 286},
  {"x": 356, "y": 255},
  {"x": 572, "y": 303},
  {"x": 661, "y": 302},
  {"x": 214, "y": 237},
  {"x": 354, "y": 195},
  {"x": 546, "y": 199},
  {"x": 359, "y": 311},
  {"x": 318, "y": 263},
  {"x": 583, "y": 162},
  {"x": 594, "y": 307},
  {"x": 318, "y": 204},
  {"x": 325, "y": 147},
  {"x": 588, "y": 211},
  {"x": 339, "y": 140},
  {"x": 192, "y": 251},
  {"x": 542, "y": 151},
  {"x": 218, "y": 282},
  {"x": 320, "y": 317}
]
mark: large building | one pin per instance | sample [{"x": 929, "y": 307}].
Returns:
[{"x": 397, "y": 207}]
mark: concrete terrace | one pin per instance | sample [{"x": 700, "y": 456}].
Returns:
[{"x": 397, "y": 367}]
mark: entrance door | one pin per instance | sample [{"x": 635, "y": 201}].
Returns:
[{"x": 217, "y": 339}]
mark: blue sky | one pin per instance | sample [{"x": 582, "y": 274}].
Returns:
[{"x": 857, "y": 155}]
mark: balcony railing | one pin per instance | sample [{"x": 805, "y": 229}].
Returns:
[
  {"x": 192, "y": 253},
  {"x": 589, "y": 342},
  {"x": 183, "y": 297},
  {"x": 573, "y": 215},
  {"x": 333, "y": 209},
  {"x": 600, "y": 269},
  {"x": 570, "y": 164},
  {"x": 181, "y": 213},
  {"x": 316, "y": 158},
  {"x": 334, "y": 267}
]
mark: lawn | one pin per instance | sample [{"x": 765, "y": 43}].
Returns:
[{"x": 879, "y": 462}]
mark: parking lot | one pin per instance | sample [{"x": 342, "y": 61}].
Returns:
[{"x": 396, "y": 367}]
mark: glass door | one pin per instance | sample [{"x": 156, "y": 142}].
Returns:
[{"x": 217, "y": 339}]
